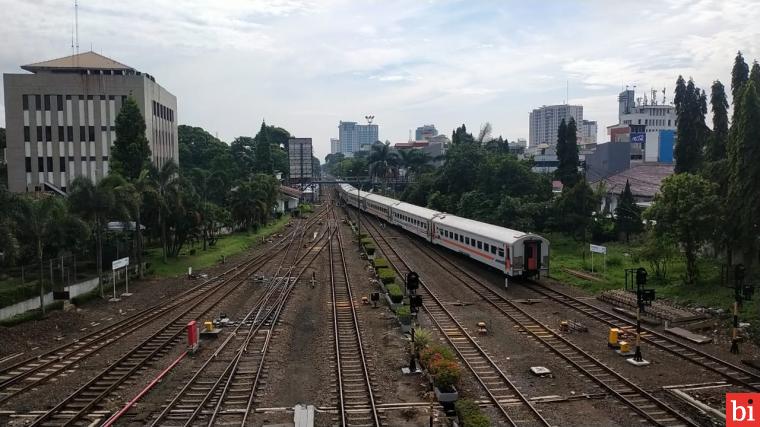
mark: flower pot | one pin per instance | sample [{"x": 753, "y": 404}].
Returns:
[{"x": 448, "y": 396}]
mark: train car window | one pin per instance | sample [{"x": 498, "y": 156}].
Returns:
[
  {"x": 467, "y": 240},
  {"x": 480, "y": 245},
  {"x": 461, "y": 238},
  {"x": 472, "y": 243},
  {"x": 501, "y": 253},
  {"x": 493, "y": 250},
  {"x": 486, "y": 247}
]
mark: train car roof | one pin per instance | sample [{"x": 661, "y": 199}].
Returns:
[
  {"x": 416, "y": 210},
  {"x": 387, "y": 201},
  {"x": 484, "y": 229}
]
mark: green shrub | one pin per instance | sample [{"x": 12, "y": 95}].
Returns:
[
  {"x": 370, "y": 249},
  {"x": 469, "y": 414},
  {"x": 404, "y": 312},
  {"x": 446, "y": 373},
  {"x": 362, "y": 236},
  {"x": 366, "y": 241},
  {"x": 422, "y": 338},
  {"x": 394, "y": 291},
  {"x": 386, "y": 275},
  {"x": 380, "y": 263},
  {"x": 614, "y": 261}
]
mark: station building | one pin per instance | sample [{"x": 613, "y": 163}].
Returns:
[{"x": 60, "y": 119}]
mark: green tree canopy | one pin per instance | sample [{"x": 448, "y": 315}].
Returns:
[
  {"x": 692, "y": 132},
  {"x": 567, "y": 153},
  {"x": 627, "y": 214},
  {"x": 130, "y": 153}
]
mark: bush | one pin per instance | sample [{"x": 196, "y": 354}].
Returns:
[
  {"x": 446, "y": 373},
  {"x": 470, "y": 414},
  {"x": 614, "y": 261},
  {"x": 386, "y": 275},
  {"x": 366, "y": 241},
  {"x": 394, "y": 291},
  {"x": 380, "y": 263},
  {"x": 435, "y": 351},
  {"x": 404, "y": 314},
  {"x": 422, "y": 338},
  {"x": 370, "y": 249}
]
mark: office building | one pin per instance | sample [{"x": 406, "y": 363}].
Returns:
[
  {"x": 425, "y": 132},
  {"x": 544, "y": 122},
  {"x": 334, "y": 145},
  {"x": 353, "y": 136},
  {"x": 587, "y": 130},
  {"x": 643, "y": 122},
  {"x": 60, "y": 119},
  {"x": 300, "y": 160}
]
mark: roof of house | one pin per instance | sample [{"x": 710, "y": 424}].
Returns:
[
  {"x": 645, "y": 179},
  {"x": 290, "y": 191},
  {"x": 86, "y": 60}
]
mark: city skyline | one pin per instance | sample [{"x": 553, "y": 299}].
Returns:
[{"x": 287, "y": 62}]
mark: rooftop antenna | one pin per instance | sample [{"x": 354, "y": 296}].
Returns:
[
  {"x": 654, "y": 96},
  {"x": 369, "y": 119},
  {"x": 663, "y": 97},
  {"x": 410, "y": 135},
  {"x": 76, "y": 23}
]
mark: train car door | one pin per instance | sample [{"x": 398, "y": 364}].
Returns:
[{"x": 532, "y": 254}]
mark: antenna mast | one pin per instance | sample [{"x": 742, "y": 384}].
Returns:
[{"x": 76, "y": 23}]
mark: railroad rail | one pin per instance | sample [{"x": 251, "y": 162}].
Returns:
[
  {"x": 77, "y": 405},
  {"x": 733, "y": 373},
  {"x": 33, "y": 371},
  {"x": 642, "y": 402},
  {"x": 355, "y": 397},
  {"x": 516, "y": 408},
  {"x": 222, "y": 389}
]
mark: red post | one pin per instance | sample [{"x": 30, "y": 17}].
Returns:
[{"x": 192, "y": 335}]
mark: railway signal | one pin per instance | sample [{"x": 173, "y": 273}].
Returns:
[
  {"x": 644, "y": 297},
  {"x": 742, "y": 292},
  {"x": 412, "y": 282}
]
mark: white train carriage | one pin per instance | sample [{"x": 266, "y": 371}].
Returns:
[
  {"x": 414, "y": 218},
  {"x": 380, "y": 206},
  {"x": 513, "y": 252},
  {"x": 349, "y": 194}
]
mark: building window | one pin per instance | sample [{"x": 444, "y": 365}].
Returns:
[
  {"x": 49, "y": 164},
  {"x": 91, "y": 132},
  {"x": 40, "y": 164},
  {"x": 48, "y": 133},
  {"x": 38, "y": 102},
  {"x": 25, "y": 102},
  {"x": 26, "y": 133},
  {"x": 62, "y": 163},
  {"x": 28, "y": 164},
  {"x": 39, "y": 133},
  {"x": 70, "y": 133},
  {"x": 60, "y": 133},
  {"x": 59, "y": 100},
  {"x": 82, "y": 135},
  {"x": 47, "y": 102}
]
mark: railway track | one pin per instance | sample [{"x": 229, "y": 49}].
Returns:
[
  {"x": 355, "y": 397},
  {"x": 32, "y": 372},
  {"x": 222, "y": 390},
  {"x": 76, "y": 407},
  {"x": 639, "y": 400},
  {"x": 733, "y": 373},
  {"x": 514, "y": 406}
]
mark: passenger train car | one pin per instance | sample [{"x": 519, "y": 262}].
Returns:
[{"x": 515, "y": 253}]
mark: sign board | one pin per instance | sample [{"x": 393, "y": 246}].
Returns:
[
  {"x": 598, "y": 249},
  {"x": 640, "y": 137},
  {"x": 119, "y": 263}
]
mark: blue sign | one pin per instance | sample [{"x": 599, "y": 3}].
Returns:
[{"x": 640, "y": 137}]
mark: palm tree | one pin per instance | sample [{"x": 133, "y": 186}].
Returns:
[
  {"x": 97, "y": 204},
  {"x": 383, "y": 162},
  {"x": 138, "y": 189},
  {"x": 164, "y": 180},
  {"x": 40, "y": 218}
]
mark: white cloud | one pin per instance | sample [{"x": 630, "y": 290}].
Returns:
[{"x": 305, "y": 65}]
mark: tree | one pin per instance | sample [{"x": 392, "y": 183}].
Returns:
[
  {"x": 263, "y": 157},
  {"x": 744, "y": 173},
  {"x": 691, "y": 130},
  {"x": 243, "y": 155},
  {"x": 164, "y": 182},
  {"x": 97, "y": 204},
  {"x": 3, "y": 166},
  {"x": 684, "y": 210},
  {"x": 251, "y": 202},
  {"x": 739, "y": 76},
  {"x": 573, "y": 210},
  {"x": 627, "y": 214},
  {"x": 130, "y": 153},
  {"x": 383, "y": 163},
  {"x": 460, "y": 136},
  {"x": 716, "y": 149},
  {"x": 9, "y": 244},
  {"x": 39, "y": 219},
  {"x": 139, "y": 189},
  {"x": 567, "y": 153},
  {"x": 754, "y": 74}
]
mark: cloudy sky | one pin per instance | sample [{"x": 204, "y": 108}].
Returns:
[{"x": 304, "y": 65}]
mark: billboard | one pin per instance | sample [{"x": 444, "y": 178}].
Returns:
[{"x": 638, "y": 137}]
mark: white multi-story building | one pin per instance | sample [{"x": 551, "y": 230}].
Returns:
[
  {"x": 334, "y": 145},
  {"x": 587, "y": 130},
  {"x": 353, "y": 136},
  {"x": 61, "y": 119},
  {"x": 645, "y": 119},
  {"x": 544, "y": 122}
]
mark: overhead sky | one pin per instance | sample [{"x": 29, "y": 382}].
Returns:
[{"x": 306, "y": 65}]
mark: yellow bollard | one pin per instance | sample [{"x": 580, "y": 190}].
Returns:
[
  {"x": 612, "y": 340},
  {"x": 624, "y": 347},
  {"x": 209, "y": 325}
]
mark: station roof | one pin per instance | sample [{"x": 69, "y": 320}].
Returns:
[
  {"x": 83, "y": 61},
  {"x": 645, "y": 179},
  {"x": 290, "y": 191}
]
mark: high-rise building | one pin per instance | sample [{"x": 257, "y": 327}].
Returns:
[
  {"x": 60, "y": 119},
  {"x": 334, "y": 145},
  {"x": 641, "y": 122},
  {"x": 300, "y": 160},
  {"x": 587, "y": 130},
  {"x": 425, "y": 132},
  {"x": 544, "y": 122},
  {"x": 353, "y": 136}
]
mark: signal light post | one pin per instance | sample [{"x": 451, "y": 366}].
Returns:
[
  {"x": 742, "y": 292},
  {"x": 644, "y": 297}
]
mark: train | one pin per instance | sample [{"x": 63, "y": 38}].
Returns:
[{"x": 514, "y": 253}]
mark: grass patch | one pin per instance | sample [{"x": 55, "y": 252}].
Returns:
[
  {"x": 567, "y": 253},
  {"x": 226, "y": 246}
]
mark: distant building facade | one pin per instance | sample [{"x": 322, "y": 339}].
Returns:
[
  {"x": 60, "y": 119},
  {"x": 544, "y": 122},
  {"x": 425, "y": 132},
  {"x": 587, "y": 130},
  {"x": 641, "y": 122},
  {"x": 334, "y": 145},
  {"x": 608, "y": 159},
  {"x": 300, "y": 160},
  {"x": 353, "y": 136}
]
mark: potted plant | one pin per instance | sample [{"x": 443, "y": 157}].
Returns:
[
  {"x": 405, "y": 318},
  {"x": 446, "y": 375}
]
